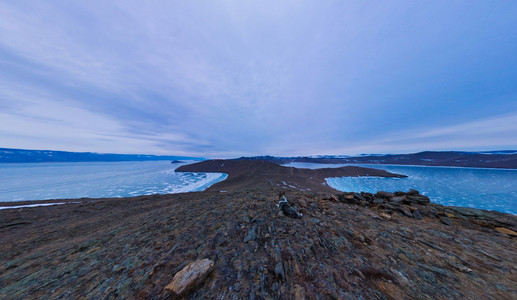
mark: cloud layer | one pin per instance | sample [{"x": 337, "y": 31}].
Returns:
[{"x": 229, "y": 78}]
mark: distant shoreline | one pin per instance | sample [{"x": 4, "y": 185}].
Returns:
[
  {"x": 401, "y": 165},
  {"x": 499, "y": 159},
  {"x": 10, "y": 155}
]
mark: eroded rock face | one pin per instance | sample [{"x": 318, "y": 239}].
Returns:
[{"x": 190, "y": 276}]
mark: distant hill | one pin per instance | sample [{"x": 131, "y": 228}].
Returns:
[
  {"x": 8, "y": 155},
  {"x": 487, "y": 159}
]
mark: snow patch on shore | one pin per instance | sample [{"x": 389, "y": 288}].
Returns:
[{"x": 35, "y": 205}]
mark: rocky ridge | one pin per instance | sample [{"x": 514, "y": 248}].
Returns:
[
  {"x": 252, "y": 174},
  {"x": 344, "y": 246}
]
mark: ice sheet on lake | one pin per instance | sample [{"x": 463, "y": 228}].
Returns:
[
  {"x": 42, "y": 181},
  {"x": 491, "y": 189}
]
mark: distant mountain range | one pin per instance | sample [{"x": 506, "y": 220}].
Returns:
[
  {"x": 8, "y": 155},
  {"x": 486, "y": 159}
]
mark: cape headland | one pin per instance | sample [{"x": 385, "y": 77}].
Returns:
[
  {"x": 245, "y": 174},
  {"x": 233, "y": 241}
]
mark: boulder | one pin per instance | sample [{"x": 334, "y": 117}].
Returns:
[
  {"x": 359, "y": 197},
  {"x": 397, "y": 199},
  {"x": 419, "y": 199},
  {"x": 279, "y": 271},
  {"x": 252, "y": 234},
  {"x": 385, "y": 194},
  {"x": 378, "y": 200},
  {"x": 412, "y": 208},
  {"x": 289, "y": 211},
  {"x": 388, "y": 206},
  {"x": 418, "y": 215},
  {"x": 413, "y": 192},
  {"x": 346, "y": 198},
  {"x": 406, "y": 210},
  {"x": 445, "y": 221},
  {"x": 330, "y": 197},
  {"x": 190, "y": 276}
]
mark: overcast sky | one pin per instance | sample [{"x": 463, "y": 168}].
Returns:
[{"x": 232, "y": 78}]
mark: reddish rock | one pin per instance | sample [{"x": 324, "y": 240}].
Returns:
[
  {"x": 506, "y": 231},
  {"x": 302, "y": 203}
]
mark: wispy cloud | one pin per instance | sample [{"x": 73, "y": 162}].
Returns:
[
  {"x": 229, "y": 78},
  {"x": 497, "y": 132}
]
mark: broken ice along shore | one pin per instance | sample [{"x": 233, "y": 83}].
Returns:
[
  {"x": 491, "y": 189},
  {"x": 67, "y": 180}
]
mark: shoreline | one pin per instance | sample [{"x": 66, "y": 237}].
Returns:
[
  {"x": 345, "y": 245},
  {"x": 208, "y": 167},
  {"x": 395, "y": 165}
]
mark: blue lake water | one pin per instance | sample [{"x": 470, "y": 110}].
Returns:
[
  {"x": 490, "y": 189},
  {"x": 40, "y": 181}
]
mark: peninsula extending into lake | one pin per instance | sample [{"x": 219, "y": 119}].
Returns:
[{"x": 266, "y": 232}]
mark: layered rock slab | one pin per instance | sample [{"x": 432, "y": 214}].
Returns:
[{"x": 190, "y": 276}]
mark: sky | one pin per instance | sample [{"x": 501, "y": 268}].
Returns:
[{"x": 240, "y": 78}]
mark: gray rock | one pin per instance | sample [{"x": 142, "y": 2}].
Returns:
[
  {"x": 252, "y": 234},
  {"x": 413, "y": 192},
  {"x": 397, "y": 199},
  {"x": 417, "y": 215},
  {"x": 439, "y": 271},
  {"x": 446, "y": 221},
  {"x": 385, "y": 194},
  {"x": 420, "y": 199},
  {"x": 406, "y": 210},
  {"x": 378, "y": 200},
  {"x": 279, "y": 270},
  {"x": 359, "y": 197},
  {"x": 289, "y": 211}
]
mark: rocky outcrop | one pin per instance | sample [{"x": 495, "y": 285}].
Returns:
[
  {"x": 411, "y": 204},
  {"x": 415, "y": 205}
]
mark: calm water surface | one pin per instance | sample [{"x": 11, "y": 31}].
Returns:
[
  {"x": 491, "y": 189},
  {"x": 40, "y": 181}
]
